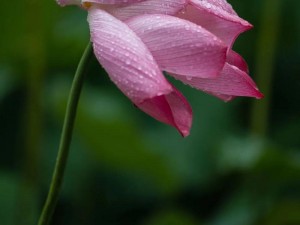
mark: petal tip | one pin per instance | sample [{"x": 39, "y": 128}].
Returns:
[
  {"x": 259, "y": 95},
  {"x": 60, "y": 2},
  {"x": 247, "y": 25},
  {"x": 184, "y": 133}
]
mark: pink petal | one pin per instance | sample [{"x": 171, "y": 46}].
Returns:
[
  {"x": 172, "y": 109},
  {"x": 167, "y": 7},
  {"x": 231, "y": 82},
  {"x": 180, "y": 46},
  {"x": 126, "y": 59},
  {"x": 216, "y": 16},
  {"x": 235, "y": 59}
]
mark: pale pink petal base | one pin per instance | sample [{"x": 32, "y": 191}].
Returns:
[
  {"x": 163, "y": 7},
  {"x": 172, "y": 109}
]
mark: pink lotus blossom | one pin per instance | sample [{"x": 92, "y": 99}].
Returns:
[{"x": 135, "y": 40}]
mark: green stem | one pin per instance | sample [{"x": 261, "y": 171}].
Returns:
[
  {"x": 66, "y": 137},
  {"x": 265, "y": 58}
]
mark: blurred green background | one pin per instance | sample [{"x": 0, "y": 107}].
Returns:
[{"x": 239, "y": 166}]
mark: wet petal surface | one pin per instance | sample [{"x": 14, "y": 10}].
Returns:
[
  {"x": 165, "y": 7},
  {"x": 180, "y": 46},
  {"x": 126, "y": 59},
  {"x": 231, "y": 82},
  {"x": 218, "y": 17}
]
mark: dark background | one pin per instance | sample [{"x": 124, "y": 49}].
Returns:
[{"x": 239, "y": 166}]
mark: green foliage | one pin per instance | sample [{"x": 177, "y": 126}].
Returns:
[
  {"x": 8, "y": 198},
  {"x": 174, "y": 217}
]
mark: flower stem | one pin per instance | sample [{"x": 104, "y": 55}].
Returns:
[
  {"x": 265, "y": 59},
  {"x": 66, "y": 136}
]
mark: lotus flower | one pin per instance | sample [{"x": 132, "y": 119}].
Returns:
[{"x": 191, "y": 40}]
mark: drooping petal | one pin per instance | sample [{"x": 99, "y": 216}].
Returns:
[
  {"x": 180, "y": 46},
  {"x": 68, "y": 2},
  {"x": 126, "y": 59},
  {"x": 231, "y": 82},
  {"x": 216, "y": 16},
  {"x": 165, "y": 7},
  {"x": 172, "y": 109}
]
